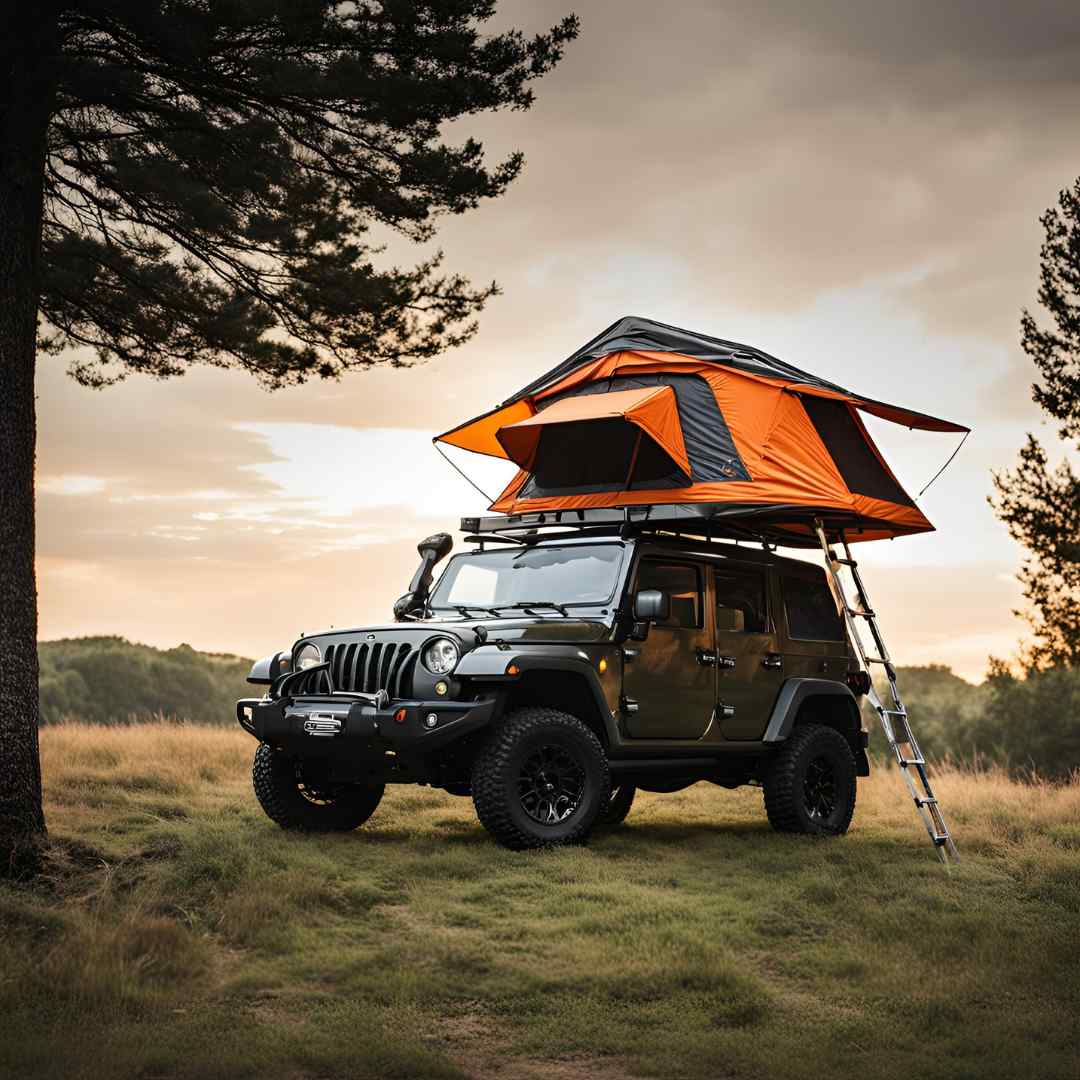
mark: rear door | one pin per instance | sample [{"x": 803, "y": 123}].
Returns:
[
  {"x": 750, "y": 667},
  {"x": 670, "y": 675}
]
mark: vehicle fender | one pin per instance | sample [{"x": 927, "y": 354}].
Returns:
[
  {"x": 489, "y": 662},
  {"x": 791, "y": 697},
  {"x": 265, "y": 671}
]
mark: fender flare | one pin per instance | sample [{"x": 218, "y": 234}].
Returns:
[
  {"x": 490, "y": 664},
  {"x": 791, "y": 697}
]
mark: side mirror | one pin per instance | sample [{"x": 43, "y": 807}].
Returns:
[
  {"x": 652, "y": 605},
  {"x": 730, "y": 619}
]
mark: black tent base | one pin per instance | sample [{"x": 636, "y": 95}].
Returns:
[{"x": 708, "y": 521}]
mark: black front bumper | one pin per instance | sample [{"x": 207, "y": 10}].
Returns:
[{"x": 363, "y": 733}]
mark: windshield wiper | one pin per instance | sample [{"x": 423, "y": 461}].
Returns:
[
  {"x": 527, "y": 605},
  {"x": 464, "y": 610}
]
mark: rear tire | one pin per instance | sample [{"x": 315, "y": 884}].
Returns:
[
  {"x": 542, "y": 779},
  {"x": 286, "y": 799},
  {"x": 810, "y": 784},
  {"x": 618, "y": 806}
]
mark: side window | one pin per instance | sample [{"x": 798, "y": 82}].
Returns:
[
  {"x": 744, "y": 589},
  {"x": 682, "y": 583},
  {"x": 811, "y": 610}
]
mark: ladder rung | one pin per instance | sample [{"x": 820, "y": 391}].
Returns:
[
  {"x": 877, "y": 660},
  {"x": 941, "y": 839},
  {"x": 895, "y": 712},
  {"x": 860, "y": 613},
  {"x": 929, "y": 801},
  {"x": 906, "y": 761},
  {"x": 842, "y": 562}
]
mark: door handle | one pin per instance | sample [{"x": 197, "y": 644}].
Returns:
[
  {"x": 772, "y": 660},
  {"x": 706, "y": 657}
]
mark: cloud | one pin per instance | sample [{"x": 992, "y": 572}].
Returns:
[{"x": 852, "y": 186}]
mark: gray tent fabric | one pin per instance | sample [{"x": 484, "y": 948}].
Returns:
[{"x": 634, "y": 332}]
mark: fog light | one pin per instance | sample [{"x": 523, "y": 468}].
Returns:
[
  {"x": 431, "y": 720},
  {"x": 441, "y": 688}
]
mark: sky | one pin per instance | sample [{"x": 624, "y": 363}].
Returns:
[{"x": 854, "y": 187}]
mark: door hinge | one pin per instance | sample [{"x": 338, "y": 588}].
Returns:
[{"x": 628, "y": 706}]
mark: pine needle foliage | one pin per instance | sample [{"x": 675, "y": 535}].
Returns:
[
  {"x": 1040, "y": 504},
  {"x": 217, "y": 173}
]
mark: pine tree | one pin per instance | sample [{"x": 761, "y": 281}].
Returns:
[
  {"x": 1040, "y": 505},
  {"x": 192, "y": 182}
]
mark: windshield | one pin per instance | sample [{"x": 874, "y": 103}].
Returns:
[{"x": 576, "y": 574}]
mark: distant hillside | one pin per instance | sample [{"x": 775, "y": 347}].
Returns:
[
  {"x": 1026, "y": 723},
  {"x": 112, "y": 680},
  {"x": 943, "y": 707}
]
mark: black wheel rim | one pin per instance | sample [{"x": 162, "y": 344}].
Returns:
[
  {"x": 819, "y": 789},
  {"x": 313, "y": 794},
  {"x": 551, "y": 785}
]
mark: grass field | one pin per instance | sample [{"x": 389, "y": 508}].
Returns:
[{"x": 179, "y": 933}]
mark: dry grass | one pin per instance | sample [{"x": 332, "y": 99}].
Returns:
[{"x": 179, "y": 933}]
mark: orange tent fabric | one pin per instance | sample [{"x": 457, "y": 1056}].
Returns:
[
  {"x": 653, "y": 409},
  {"x": 761, "y": 447}
]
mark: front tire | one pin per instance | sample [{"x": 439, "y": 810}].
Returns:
[
  {"x": 810, "y": 785},
  {"x": 542, "y": 779},
  {"x": 295, "y": 804}
]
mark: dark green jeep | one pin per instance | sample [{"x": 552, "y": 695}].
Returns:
[{"x": 551, "y": 676}]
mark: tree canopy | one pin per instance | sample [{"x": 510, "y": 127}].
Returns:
[
  {"x": 217, "y": 173},
  {"x": 1038, "y": 503}
]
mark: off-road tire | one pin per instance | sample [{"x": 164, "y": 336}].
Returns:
[
  {"x": 786, "y": 795},
  {"x": 618, "y": 806},
  {"x": 497, "y": 770},
  {"x": 274, "y": 777}
]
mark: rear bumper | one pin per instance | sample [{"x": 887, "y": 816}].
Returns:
[{"x": 364, "y": 730}]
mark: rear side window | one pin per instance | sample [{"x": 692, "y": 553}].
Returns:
[
  {"x": 682, "y": 583},
  {"x": 744, "y": 590},
  {"x": 811, "y": 611}
]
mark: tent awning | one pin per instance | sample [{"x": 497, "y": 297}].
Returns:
[{"x": 653, "y": 409}]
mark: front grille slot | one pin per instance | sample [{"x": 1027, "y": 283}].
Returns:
[{"x": 366, "y": 668}]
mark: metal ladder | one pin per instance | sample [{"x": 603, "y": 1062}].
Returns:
[{"x": 894, "y": 721}]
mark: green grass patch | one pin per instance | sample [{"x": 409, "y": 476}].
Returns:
[{"x": 178, "y": 933}]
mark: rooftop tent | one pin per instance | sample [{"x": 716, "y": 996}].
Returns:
[{"x": 697, "y": 427}]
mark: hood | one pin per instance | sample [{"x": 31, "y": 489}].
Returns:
[{"x": 473, "y": 632}]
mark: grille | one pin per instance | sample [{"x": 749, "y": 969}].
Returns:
[{"x": 366, "y": 667}]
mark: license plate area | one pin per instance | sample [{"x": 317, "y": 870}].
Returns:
[{"x": 323, "y": 725}]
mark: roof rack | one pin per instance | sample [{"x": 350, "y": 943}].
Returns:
[
  {"x": 757, "y": 525},
  {"x": 627, "y": 521}
]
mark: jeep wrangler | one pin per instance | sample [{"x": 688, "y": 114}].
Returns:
[{"x": 550, "y": 677}]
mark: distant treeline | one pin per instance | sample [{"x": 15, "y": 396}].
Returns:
[
  {"x": 109, "y": 680},
  {"x": 1030, "y": 724}
]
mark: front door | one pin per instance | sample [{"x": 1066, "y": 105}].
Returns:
[
  {"x": 749, "y": 668},
  {"x": 669, "y": 678}
]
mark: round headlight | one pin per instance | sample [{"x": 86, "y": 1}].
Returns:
[
  {"x": 307, "y": 656},
  {"x": 441, "y": 656}
]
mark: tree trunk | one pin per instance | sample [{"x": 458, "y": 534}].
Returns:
[{"x": 28, "y": 64}]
